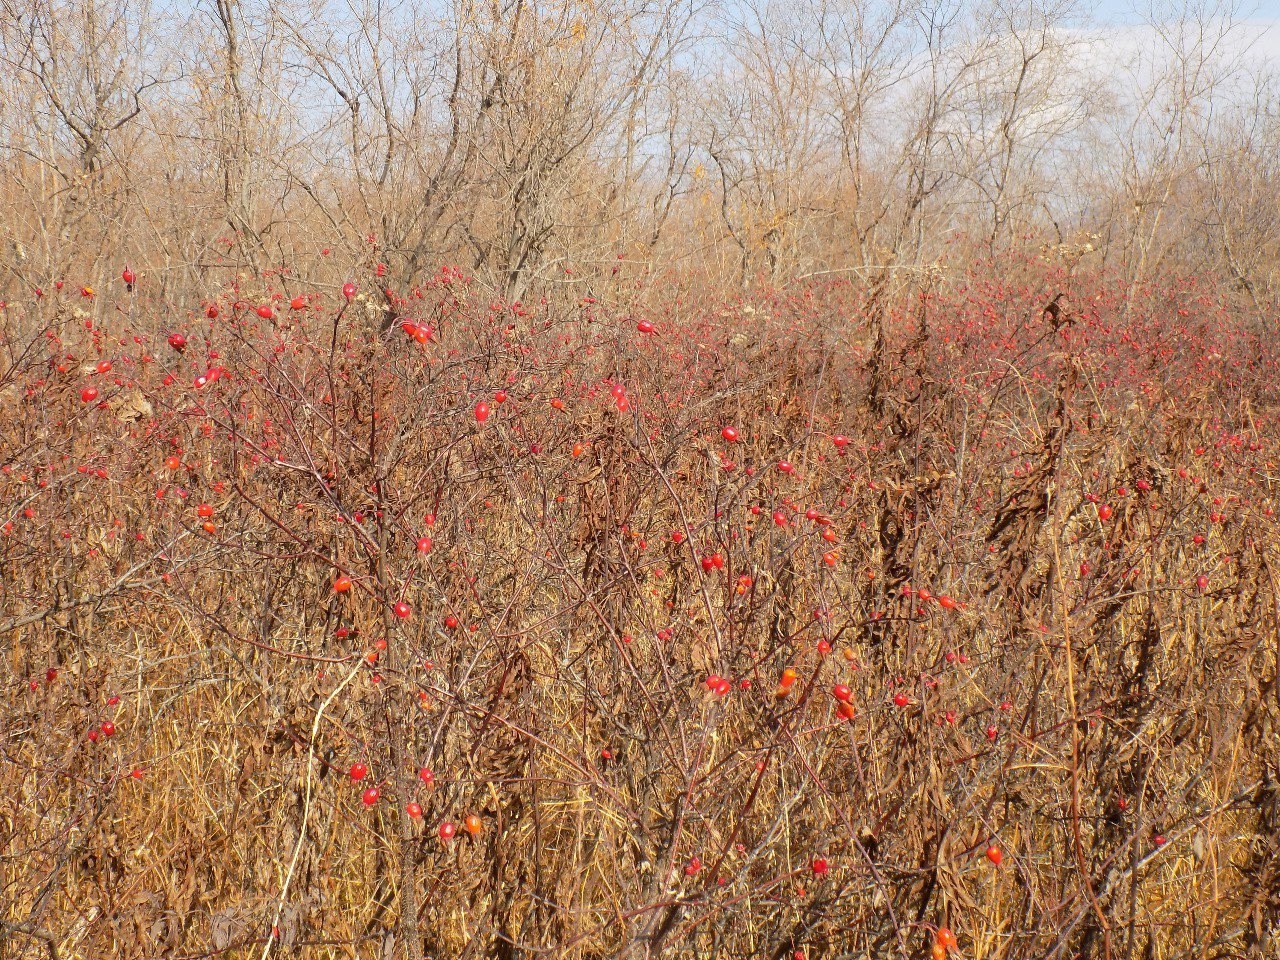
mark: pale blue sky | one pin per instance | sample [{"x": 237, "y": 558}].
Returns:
[{"x": 1121, "y": 11}]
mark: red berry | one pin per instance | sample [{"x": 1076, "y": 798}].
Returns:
[
  {"x": 730, "y": 434},
  {"x": 88, "y": 394},
  {"x": 358, "y": 771},
  {"x": 402, "y": 610},
  {"x": 370, "y": 796},
  {"x": 482, "y": 411},
  {"x": 414, "y": 809},
  {"x": 348, "y": 289},
  {"x": 447, "y": 830}
]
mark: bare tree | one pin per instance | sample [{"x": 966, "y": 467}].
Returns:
[{"x": 84, "y": 70}]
